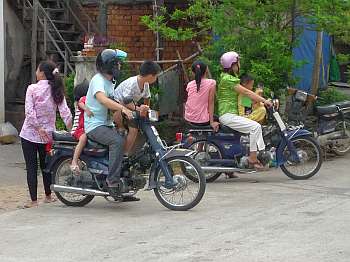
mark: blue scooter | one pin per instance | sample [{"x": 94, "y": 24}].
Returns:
[
  {"x": 164, "y": 164},
  {"x": 293, "y": 149}
]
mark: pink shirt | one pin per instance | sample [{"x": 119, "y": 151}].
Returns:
[
  {"x": 197, "y": 105},
  {"x": 40, "y": 111}
]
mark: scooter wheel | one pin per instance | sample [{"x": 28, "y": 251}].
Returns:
[
  {"x": 60, "y": 176},
  {"x": 310, "y": 159}
]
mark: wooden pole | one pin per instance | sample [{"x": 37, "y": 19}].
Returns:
[
  {"x": 2, "y": 64},
  {"x": 317, "y": 64},
  {"x": 186, "y": 78},
  {"x": 34, "y": 38}
]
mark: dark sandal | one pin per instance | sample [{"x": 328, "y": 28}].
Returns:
[{"x": 256, "y": 165}]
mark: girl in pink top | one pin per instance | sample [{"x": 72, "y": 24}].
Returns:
[
  {"x": 199, "y": 108},
  {"x": 42, "y": 101}
]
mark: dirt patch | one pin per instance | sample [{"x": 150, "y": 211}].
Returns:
[{"x": 14, "y": 197}]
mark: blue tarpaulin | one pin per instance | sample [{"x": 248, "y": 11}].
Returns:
[{"x": 305, "y": 51}]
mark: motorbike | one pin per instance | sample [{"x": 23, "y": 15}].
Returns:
[
  {"x": 293, "y": 149},
  {"x": 164, "y": 164},
  {"x": 333, "y": 121}
]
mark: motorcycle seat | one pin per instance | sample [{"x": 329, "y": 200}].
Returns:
[
  {"x": 228, "y": 130},
  {"x": 60, "y": 136},
  {"x": 223, "y": 129},
  {"x": 66, "y": 137},
  {"x": 344, "y": 104},
  {"x": 94, "y": 145},
  {"x": 327, "y": 110},
  {"x": 199, "y": 127}
]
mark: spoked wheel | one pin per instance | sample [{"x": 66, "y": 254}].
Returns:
[
  {"x": 343, "y": 146},
  {"x": 186, "y": 193},
  {"x": 62, "y": 175},
  {"x": 205, "y": 151},
  {"x": 309, "y": 159}
]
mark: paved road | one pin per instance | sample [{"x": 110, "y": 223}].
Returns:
[{"x": 265, "y": 217}]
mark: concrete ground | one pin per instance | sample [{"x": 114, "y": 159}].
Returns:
[{"x": 261, "y": 217}]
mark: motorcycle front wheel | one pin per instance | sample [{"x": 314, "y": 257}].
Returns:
[
  {"x": 309, "y": 162},
  {"x": 62, "y": 175},
  {"x": 186, "y": 193}
]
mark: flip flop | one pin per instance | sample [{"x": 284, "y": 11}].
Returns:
[
  {"x": 46, "y": 200},
  {"x": 30, "y": 205},
  {"x": 256, "y": 165}
]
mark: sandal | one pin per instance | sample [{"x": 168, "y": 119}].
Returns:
[
  {"x": 256, "y": 165},
  {"x": 49, "y": 200},
  {"x": 30, "y": 204}
]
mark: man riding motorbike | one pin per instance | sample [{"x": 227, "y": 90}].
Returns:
[
  {"x": 228, "y": 91},
  {"x": 99, "y": 127}
]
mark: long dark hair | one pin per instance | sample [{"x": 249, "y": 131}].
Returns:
[
  {"x": 199, "y": 69},
  {"x": 55, "y": 80}
]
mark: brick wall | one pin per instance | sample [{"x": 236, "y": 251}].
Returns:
[{"x": 124, "y": 26}]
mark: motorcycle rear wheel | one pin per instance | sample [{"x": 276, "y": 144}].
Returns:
[
  {"x": 174, "y": 198},
  {"x": 203, "y": 148},
  {"x": 305, "y": 153},
  {"x": 343, "y": 149},
  {"x": 60, "y": 176}
]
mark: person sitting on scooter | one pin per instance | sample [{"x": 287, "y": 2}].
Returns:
[
  {"x": 99, "y": 126},
  {"x": 228, "y": 90},
  {"x": 130, "y": 92},
  {"x": 253, "y": 111},
  {"x": 199, "y": 108}
]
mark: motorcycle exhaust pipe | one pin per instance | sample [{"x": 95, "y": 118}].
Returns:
[
  {"x": 215, "y": 169},
  {"x": 78, "y": 190}
]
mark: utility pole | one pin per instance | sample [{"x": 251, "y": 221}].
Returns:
[{"x": 2, "y": 63}]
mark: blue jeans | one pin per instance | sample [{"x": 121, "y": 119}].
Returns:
[{"x": 110, "y": 137}]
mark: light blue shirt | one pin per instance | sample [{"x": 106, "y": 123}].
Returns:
[{"x": 101, "y": 113}]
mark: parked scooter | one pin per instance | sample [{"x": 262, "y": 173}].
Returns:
[
  {"x": 293, "y": 149},
  {"x": 164, "y": 164},
  {"x": 333, "y": 121}
]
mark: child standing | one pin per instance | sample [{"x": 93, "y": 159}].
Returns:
[
  {"x": 79, "y": 133},
  {"x": 130, "y": 92},
  {"x": 42, "y": 101}
]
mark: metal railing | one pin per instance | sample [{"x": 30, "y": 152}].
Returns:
[
  {"x": 41, "y": 16},
  {"x": 73, "y": 5}
]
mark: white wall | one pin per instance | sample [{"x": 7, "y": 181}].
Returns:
[{"x": 2, "y": 63}]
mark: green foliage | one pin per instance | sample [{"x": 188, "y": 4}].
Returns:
[
  {"x": 156, "y": 92},
  {"x": 125, "y": 72},
  {"x": 343, "y": 58},
  {"x": 60, "y": 124},
  {"x": 331, "y": 95},
  {"x": 69, "y": 85},
  {"x": 69, "y": 94},
  {"x": 260, "y": 31}
]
